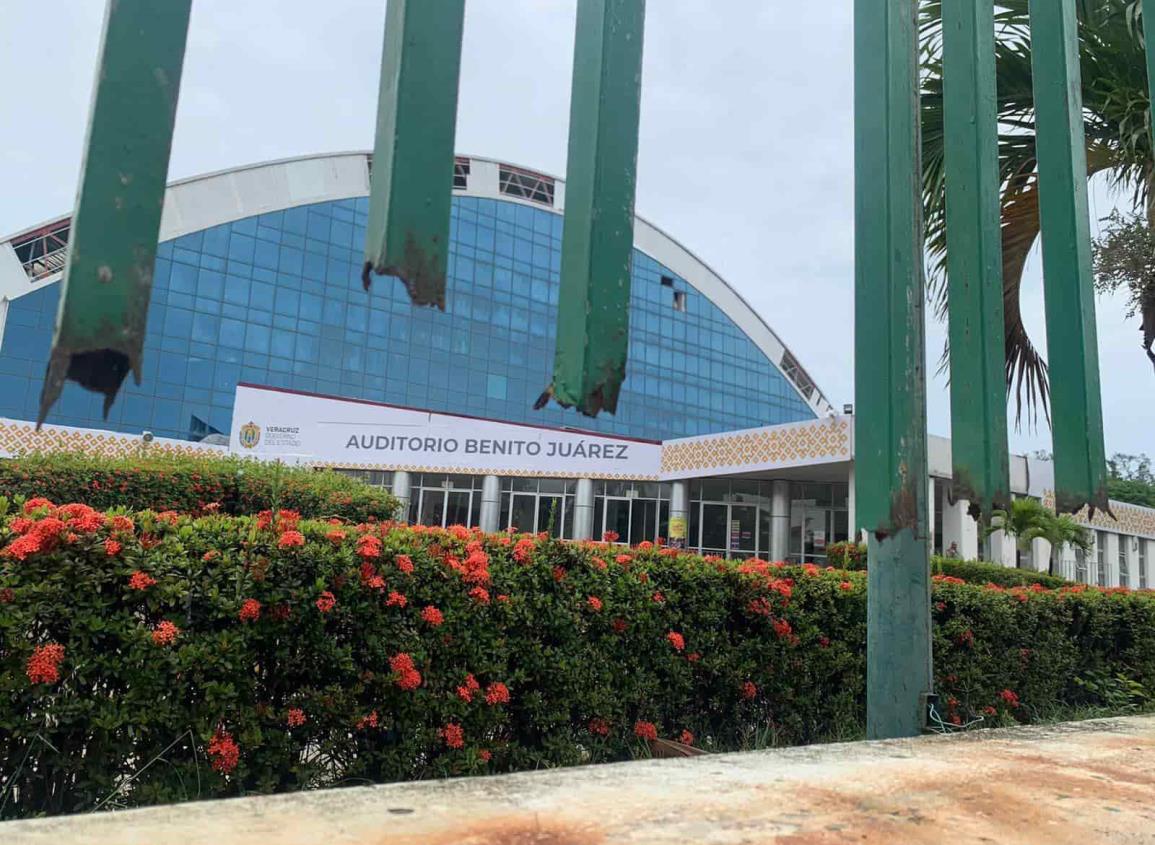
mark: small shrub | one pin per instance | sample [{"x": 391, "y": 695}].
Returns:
[
  {"x": 187, "y": 485},
  {"x": 850, "y": 556}
]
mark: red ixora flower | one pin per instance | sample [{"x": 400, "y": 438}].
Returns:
[
  {"x": 658, "y": 598},
  {"x": 326, "y": 602},
  {"x": 396, "y": 599},
  {"x": 676, "y": 640},
  {"x": 408, "y": 678},
  {"x": 496, "y": 693},
  {"x": 453, "y": 735},
  {"x": 686, "y": 738},
  {"x": 7, "y": 595},
  {"x": 599, "y": 727},
  {"x": 1009, "y": 697},
  {"x": 141, "y": 581},
  {"x": 619, "y": 626},
  {"x": 610, "y": 536},
  {"x": 846, "y": 586},
  {"x": 990, "y": 711},
  {"x": 405, "y": 564},
  {"x": 164, "y": 633},
  {"x": 465, "y": 691},
  {"x": 122, "y": 524},
  {"x": 250, "y": 610},
  {"x": 645, "y": 730},
  {"x": 594, "y": 603},
  {"x": 296, "y": 717},
  {"x": 523, "y": 550},
  {"x": 485, "y": 754},
  {"x": 369, "y": 546},
  {"x": 44, "y": 664},
  {"x": 369, "y": 721},
  {"x": 291, "y": 540},
  {"x": 36, "y": 503},
  {"x": 479, "y": 595},
  {"x": 224, "y": 751},
  {"x": 112, "y": 548},
  {"x": 22, "y": 547},
  {"x": 433, "y": 616},
  {"x": 782, "y": 628},
  {"x": 336, "y": 537},
  {"x": 748, "y": 690}
]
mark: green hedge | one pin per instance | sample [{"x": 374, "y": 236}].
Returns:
[
  {"x": 979, "y": 572},
  {"x": 237, "y": 656},
  {"x": 186, "y": 485},
  {"x": 853, "y": 556}
]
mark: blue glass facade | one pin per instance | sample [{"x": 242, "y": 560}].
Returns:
[{"x": 277, "y": 300}]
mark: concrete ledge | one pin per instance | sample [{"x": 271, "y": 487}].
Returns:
[{"x": 1074, "y": 784}]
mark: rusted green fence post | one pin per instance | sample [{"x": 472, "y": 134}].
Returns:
[
  {"x": 597, "y": 247},
  {"x": 890, "y": 378},
  {"x": 412, "y": 185},
  {"x": 107, "y": 282},
  {"x": 1072, "y": 344},
  {"x": 974, "y": 257}
]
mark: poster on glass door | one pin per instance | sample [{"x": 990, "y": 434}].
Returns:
[{"x": 307, "y": 428}]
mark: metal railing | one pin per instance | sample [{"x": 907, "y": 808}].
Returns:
[{"x": 43, "y": 252}]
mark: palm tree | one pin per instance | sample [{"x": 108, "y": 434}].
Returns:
[
  {"x": 1026, "y": 521},
  {"x": 1119, "y": 149},
  {"x": 1062, "y": 531}
]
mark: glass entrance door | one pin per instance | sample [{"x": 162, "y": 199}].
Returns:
[
  {"x": 743, "y": 530},
  {"x": 457, "y": 507}
]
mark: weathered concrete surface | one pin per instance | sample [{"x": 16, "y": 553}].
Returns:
[{"x": 1081, "y": 784}]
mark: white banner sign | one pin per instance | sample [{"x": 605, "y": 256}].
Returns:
[{"x": 303, "y": 428}]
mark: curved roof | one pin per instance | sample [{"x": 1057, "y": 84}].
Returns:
[{"x": 35, "y": 257}]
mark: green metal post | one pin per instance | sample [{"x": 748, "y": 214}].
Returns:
[
  {"x": 107, "y": 281},
  {"x": 412, "y": 185},
  {"x": 597, "y": 247},
  {"x": 1149, "y": 47},
  {"x": 1072, "y": 344},
  {"x": 974, "y": 257},
  {"x": 890, "y": 368}
]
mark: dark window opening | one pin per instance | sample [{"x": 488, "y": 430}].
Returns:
[
  {"x": 526, "y": 185},
  {"x": 461, "y": 174},
  {"x": 680, "y": 300},
  {"x": 667, "y": 281}
]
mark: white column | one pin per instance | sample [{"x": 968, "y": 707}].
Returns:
[
  {"x": 851, "y": 511},
  {"x": 959, "y": 530},
  {"x": 1112, "y": 559},
  {"x": 680, "y": 515},
  {"x": 583, "y": 515},
  {"x": 403, "y": 490},
  {"x": 1004, "y": 549},
  {"x": 490, "y": 504},
  {"x": 1131, "y": 544},
  {"x": 1041, "y": 557},
  {"x": 1150, "y": 561},
  {"x": 780, "y": 520}
]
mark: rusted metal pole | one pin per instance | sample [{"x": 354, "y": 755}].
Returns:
[
  {"x": 974, "y": 258},
  {"x": 412, "y": 186},
  {"x": 1072, "y": 342},
  {"x": 107, "y": 283},
  {"x": 597, "y": 247},
  {"x": 890, "y": 378}
]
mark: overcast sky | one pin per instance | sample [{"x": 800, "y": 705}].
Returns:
[{"x": 746, "y": 147}]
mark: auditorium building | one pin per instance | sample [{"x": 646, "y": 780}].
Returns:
[{"x": 262, "y": 342}]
